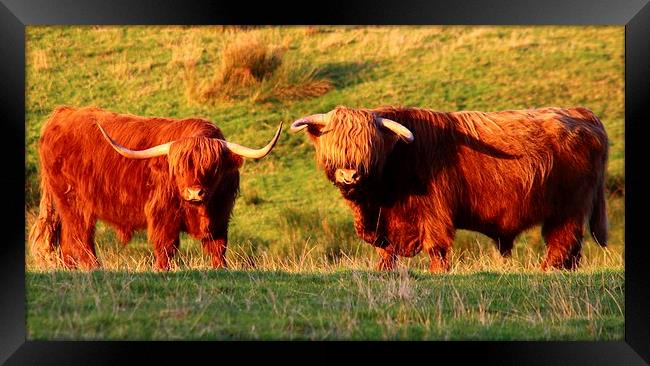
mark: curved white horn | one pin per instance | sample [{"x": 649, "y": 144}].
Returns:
[
  {"x": 152, "y": 152},
  {"x": 247, "y": 152},
  {"x": 315, "y": 119},
  {"x": 397, "y": 129}
]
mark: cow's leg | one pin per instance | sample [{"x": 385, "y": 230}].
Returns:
[
  {"x": 220, "y": 210},
  {"x": 165, "y": 244},
  {"x": 387, "y": 259},
  {"x": 505, "y": 244},
  {"x": 77, "y": 241},
  {"x": 216, "y": 247},
  {"x": 564, "y": 243},
  {"x": 164, "y": 235},
  {"x": 438, "y": 246},
  {"x": 439, "y": 258},
  {"x": 124, "y": 234},
  {"x": 164, "y": 250},
  {"x": 163, "y": 229}
]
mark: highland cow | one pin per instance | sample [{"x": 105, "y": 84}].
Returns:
[
  {"x": 165, "y": 175},
  {"x": 413, "y": 176}
]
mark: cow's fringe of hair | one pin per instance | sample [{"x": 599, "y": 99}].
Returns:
[
  {"x": 195, "y": 154},
  {"x": 351, "y": 139}
]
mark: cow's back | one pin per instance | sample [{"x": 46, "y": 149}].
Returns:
[
  {"x": 554, "y": 158},
  {"x": 499, "y": 171}
]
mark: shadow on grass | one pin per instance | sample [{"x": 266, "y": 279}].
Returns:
[
  {"x": 477, "y": 279},
  {"x": 344, "y": 74}
]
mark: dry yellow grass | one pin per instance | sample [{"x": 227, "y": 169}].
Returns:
[
  {"x": 39, "y": 60},
  {"x": 244, "y": 64},
  {"x": 248, "y": 68},
  {"x": 138, "y": 256}
]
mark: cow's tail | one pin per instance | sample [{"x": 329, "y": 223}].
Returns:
[
  {"x": 45, "y": 234},
  {"x": 598, "y": 219}
]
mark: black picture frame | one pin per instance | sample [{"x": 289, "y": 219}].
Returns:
[{"x": 15, "y": 15}]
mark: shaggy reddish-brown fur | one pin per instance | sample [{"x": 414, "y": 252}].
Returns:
[
  {"x": 84, "y": 180},
  {"x": 496, "y": 173}
]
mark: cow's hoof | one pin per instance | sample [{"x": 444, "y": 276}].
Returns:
[
  {"x": 437, "y": 268},
  {"x": 385, "y": 266},
  {"x": 219, "y": 265}
]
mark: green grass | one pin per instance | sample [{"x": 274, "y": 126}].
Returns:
[
  {"x": 335, "y": 305},
  {"x": 290, "y": 229}
]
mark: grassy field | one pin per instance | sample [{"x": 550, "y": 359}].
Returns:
[
  {"x": 334, "y": 305},
  {"x": 297, "y": 266}
]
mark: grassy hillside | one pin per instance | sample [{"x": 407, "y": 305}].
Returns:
[{"x": 291, "y": 234}]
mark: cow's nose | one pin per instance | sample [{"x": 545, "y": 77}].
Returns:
[
  {"x": 347, "y": 176},
  {"x": 195, "y": 194}
]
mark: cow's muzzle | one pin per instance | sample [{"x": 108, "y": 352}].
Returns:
[
  {"x": 347, "y": 176},
  {"x": 194, "y": 194}
]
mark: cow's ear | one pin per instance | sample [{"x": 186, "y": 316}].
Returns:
[
  {"x": 389, "y": 138},
  {"x": 315, "y": 130},
  {"x": 236, "y": 161}
]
